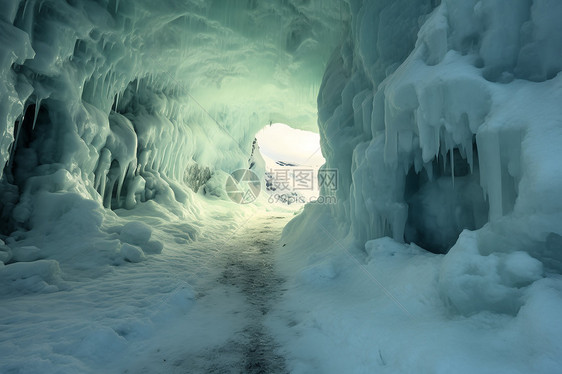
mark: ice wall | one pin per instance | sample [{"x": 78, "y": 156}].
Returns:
[
  {"x": 118, "y": 101},
  {"x": 442, "y": 116}
]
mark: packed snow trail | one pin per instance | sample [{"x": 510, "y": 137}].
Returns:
[
  {"x": 251, "y": 270},
  {"x": 248, "y": 266},
  {"x": 239, "y": 293}
]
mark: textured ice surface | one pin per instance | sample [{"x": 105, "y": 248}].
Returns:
[
  {"x": 441, "y": 117},
  {"x": 445, "y": 131},
  {"x": 114, "y": 100}
]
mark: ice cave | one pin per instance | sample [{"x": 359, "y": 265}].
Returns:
[{"x": 157, "y": 216}]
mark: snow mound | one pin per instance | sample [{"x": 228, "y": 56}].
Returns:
[
  {"x": 472, "y": 282},
  {"x": 100, "y": 344},
  {"x": 137, "y": 233},
  {"x": 5, "y": 252},
  {"x": 42, "y": 276},
  {"x": 132, "y": 253},
  {"x": 26, "y": 253}
]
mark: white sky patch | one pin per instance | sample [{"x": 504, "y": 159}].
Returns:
[{"x": 281, "y": 142}]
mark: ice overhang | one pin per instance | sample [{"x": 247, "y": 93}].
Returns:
[{"x": 266, "y": 57}]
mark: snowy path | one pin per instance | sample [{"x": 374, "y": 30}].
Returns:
[
  {"x": 200, "y": 306},
  {"x": 252, "y": 271},
  {"x": 248, "y": 266},
  {"x": 236, "y": 287}
]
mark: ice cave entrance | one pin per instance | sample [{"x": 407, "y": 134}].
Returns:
[
  {"x": 292, "y": 159},
  {"x": 280, "y": 142}
]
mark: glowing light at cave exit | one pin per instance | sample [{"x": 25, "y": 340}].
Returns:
[{"x": 280, "y": 142}]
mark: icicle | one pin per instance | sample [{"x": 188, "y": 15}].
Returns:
[
  {"x": 491, "y": 171},
  {"x": 28, "y": 18},
  {"x": 452, "y": 157},
  {"x": 121, "y": 179},
  {"x": 470, "y": 156},
  {"x": 429, "y": 170},
  {"x": 37, "y": 106},
  {"x": 418, "y": 163},
  {"x": 102, "y": 88},
  {"x": 25, "y": 4},
  {"x": 111, "y": 179},
  {"x": 14, "y": 144},
  {"x": 109, "y": 80},
  {"x": 437, "y": 139},
  {"x": 116, "y": 6}
]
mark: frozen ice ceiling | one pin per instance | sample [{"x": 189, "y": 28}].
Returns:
[{"x": 265, "y": 56}]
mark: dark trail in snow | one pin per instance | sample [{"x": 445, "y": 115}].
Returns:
[{"x": 248, "y": 266}]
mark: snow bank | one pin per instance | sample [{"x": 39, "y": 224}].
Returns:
[{"x": 30, "y": 277}]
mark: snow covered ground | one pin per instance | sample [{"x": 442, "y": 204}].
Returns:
[
  {"x": 197, "y": 307},
  {"x": 233, "y": 295},
  {"x": 378, "y": 309}
]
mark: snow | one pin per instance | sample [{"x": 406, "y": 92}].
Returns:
[
  {"x": 439, "y": 251},
  {"x": 381, "y": 308}
]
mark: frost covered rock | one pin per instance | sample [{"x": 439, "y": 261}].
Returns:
[
  {"x": 519, "y": 269},
  {"x": 5, "y": 256},
  {"x": 153, "y": 247}
]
